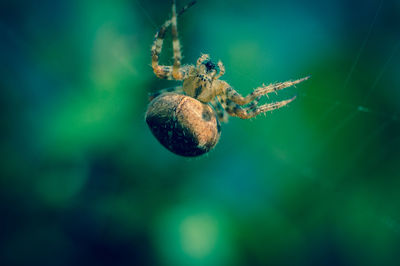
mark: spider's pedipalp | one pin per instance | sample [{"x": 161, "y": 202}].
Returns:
[
  {"x": 202, "y": 58},
  {"x": 221, "y": 70},
  {"x": 253, "y": 110}
]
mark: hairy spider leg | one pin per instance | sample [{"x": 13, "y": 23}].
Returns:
[
  {"x": 219, "y": 109},
  {"x": 251, "y": 111},
  {"x": 234, "y": 96},
  {"x": 176, "y": 45},
  {"x": 254, "y": 103},
  {"x": 161, "y": 71},
  {"x": 177, "y": 89}
]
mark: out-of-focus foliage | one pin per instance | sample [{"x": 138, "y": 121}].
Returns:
[{"x": 84, "y": 182}]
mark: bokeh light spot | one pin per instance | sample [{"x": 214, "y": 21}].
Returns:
[
  {"x": 198, "y": 235},
  {"x": 194, "y": 235}
]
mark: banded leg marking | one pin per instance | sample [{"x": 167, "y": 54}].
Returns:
[
  {"x": 166, "y": 72},
  {"x": 251, "y": 111},
  {"x": 258, "y": 92},
  {"x": 176, "y": 45}
]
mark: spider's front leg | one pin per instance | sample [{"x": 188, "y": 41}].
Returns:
[
  {"x": 176, "y": 74},
  {"x": 160, "y": 71},
  {"x": 175, "y": 71}
]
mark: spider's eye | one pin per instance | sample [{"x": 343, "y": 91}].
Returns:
[{"x": 209, "y": 65}]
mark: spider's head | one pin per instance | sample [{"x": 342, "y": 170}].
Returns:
[{"x": 208, "y": 68}]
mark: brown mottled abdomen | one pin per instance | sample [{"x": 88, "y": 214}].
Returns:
[{"x": 183, "y": 124}]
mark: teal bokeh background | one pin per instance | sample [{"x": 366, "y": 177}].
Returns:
[{"x": 84, "y": 182}]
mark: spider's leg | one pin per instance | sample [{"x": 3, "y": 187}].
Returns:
[
  {"x": 263, "y": 90},
  {"x": 254, "y": 103},
  {"x": 248, "y": 112},
  {"x": 160, "y": 71},
  {"x": 234, "y": 96},
  {"x": 219, "y": 109},
  {"x": 164, "y": 72},
  {"x": 176, "y": 45},
  {"x": 177, "y": 89}
]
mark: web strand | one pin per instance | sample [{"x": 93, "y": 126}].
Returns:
[
  {"x": 383, "y": 70},
  {"x": 358, "y": 108},
  {"x": 364, "y": 44},
  {"x": 152, "y": 22}
]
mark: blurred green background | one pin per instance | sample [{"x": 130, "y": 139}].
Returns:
[{"x": 83, "y": 181}]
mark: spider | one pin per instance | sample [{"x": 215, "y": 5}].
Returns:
[{"x": 181, "y": 117}]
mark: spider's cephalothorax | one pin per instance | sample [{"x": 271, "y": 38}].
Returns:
[
  {"x": 181, "y": 117},
  {"x": 200, "y": 82}
]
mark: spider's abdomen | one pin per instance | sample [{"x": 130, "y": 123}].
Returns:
[{"x": 183, "y": 124}]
